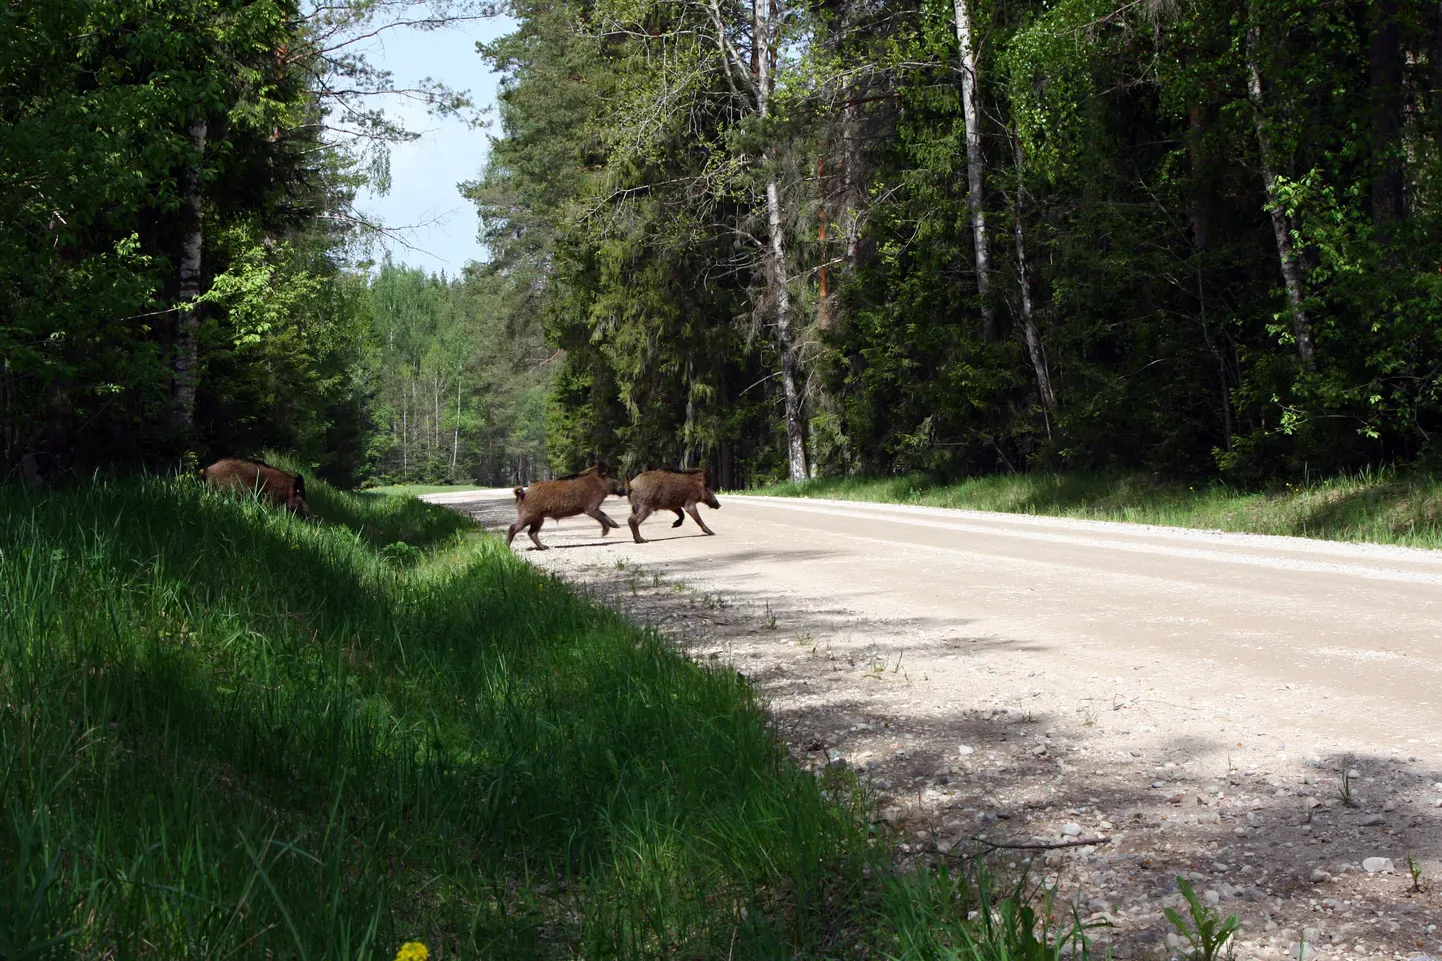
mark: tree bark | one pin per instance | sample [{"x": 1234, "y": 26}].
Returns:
[
  {"x": 795, "y": 426},
  {"x": 823, "y": 294},
  {"x": 185, "y": 361},
  {"x": 456, "y": 439},
  {"x": 851, "y": 173},
  {"x": 1030, "y": 331},
  {"x": 491, "y": 471},
  {"x": 1291, "y": 265},
  {"x": 975, "y": 165},
  {"x": 764, "y": 41},
  {"x": 1384, "y": 61}
]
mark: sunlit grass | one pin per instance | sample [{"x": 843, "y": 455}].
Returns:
[
  {"x": 1380, "y": 506},
  {"x": 229, "y": 733},
  {"x": 227, "y": 728},
  {"x": 418, "y": 489}
]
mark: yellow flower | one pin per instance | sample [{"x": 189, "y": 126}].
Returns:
[{"x": 412, "y": 951}]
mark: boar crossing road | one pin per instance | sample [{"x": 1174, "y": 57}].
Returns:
[
  {"x": 1355, "y": 629},
  {"x": 582, "y": 493},
  {"x": 669, "y": 490}
]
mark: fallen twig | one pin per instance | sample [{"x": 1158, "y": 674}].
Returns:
[{"x": 1035, "y": 846}]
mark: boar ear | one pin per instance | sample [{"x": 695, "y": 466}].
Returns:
[{"x": 601, "y": 468}]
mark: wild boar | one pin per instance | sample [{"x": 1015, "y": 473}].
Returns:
[
  {"x": 255, "y": 477},
  {"x": 580, "y": 493},
  {"x": 669, "y": 489}
]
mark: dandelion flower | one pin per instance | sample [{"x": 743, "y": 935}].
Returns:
[{"x": 412, "y": 951}]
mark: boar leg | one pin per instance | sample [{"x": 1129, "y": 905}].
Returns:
[
  {"x": 680, "y": 518},
  {"x": 638, "y": 514},
  {"x": 606, "y": 522},
  {"x": 535, "y": 528},
  {"x": 696, "y": 516},
  {"x": 513, "y": 531}
]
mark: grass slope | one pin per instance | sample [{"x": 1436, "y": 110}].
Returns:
[
  {"x": 1383, "y": 507},
  {"x": 230, "y": 734}
]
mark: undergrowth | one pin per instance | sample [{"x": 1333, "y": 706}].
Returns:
[{"x": 227, "y": 733}]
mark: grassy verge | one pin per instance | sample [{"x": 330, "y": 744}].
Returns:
[
  {"x": 227, "y": 733},
  {"x": 418, "y": 489},
  {"x": 1383, "y": 507}
]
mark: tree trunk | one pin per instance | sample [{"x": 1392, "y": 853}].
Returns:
[
  {"x": 975, "y": 166},
  {"x": 1222, "y": 380},
  {"x": 849, "y": 133},
  {"x": 1030, "y": 331},
  {"x": 186, "y": 358},
  {"x": 795, "y": 427},
  {"x": 1384, "y": 63},
  {"x": 1291, "y": 265},
  {"x": 823, "y": 299},
  {"x": 763, "y": 42},
  {"x": 456, "y": 439}
]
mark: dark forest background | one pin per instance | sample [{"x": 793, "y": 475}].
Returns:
[{"x": 1179, "y": 237}]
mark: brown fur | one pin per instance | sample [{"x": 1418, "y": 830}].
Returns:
[
  {"x": 254, "y": 477},
  {"x": 580, "y": 493},
  {"x": 670, "y": 490}
]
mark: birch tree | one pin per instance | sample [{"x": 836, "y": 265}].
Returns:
[
  {"x": 975, "y": 163},
  {"x": 1292, "y": 274}
]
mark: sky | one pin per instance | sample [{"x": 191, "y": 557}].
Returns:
[{"x": 425, "y": 173}]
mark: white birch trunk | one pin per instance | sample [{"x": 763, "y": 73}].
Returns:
[
  {"x": 456, "y": 438},
  {"x": 975, "y": 165},
  {"x": 764, "y": 41},
  {"x": 1291, "y": 266},
  {"x": 185, "y": 366}
]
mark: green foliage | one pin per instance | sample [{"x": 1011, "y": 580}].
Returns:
[
  {"x": 140, "y": 133},
  {"x": 961, "y": 914},
  {"x": 225, "y": 726},
  {"x": 455, "y": 375},
  {"x": 1207, "y": 932},
  {"x": 1129, "y": 137},
  {"x": 97, "y": 102}
]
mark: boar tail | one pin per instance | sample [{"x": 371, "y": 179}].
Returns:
[{"x": 520, "y": 493}]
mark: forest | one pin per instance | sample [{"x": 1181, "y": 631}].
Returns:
[
  {"x": 1025, "y": 247},
  {"x": 186, "y": 273},
  {"x": 1184, "y": 238}
]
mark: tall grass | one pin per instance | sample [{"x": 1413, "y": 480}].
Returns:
[
  {"x": 228, "y": 733},
  {"x": 1380, "y": 506}
]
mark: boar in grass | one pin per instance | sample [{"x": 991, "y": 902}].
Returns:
[
  {"x": 670, "y": 490},
  {"x": 255, "y": 477},
  {"x": 580, "y": 493}
]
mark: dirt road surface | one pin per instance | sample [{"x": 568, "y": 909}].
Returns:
[{"x": 1260, "y": 715}]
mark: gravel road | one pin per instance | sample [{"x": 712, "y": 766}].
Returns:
[{"x": 1262, "y": 715}]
